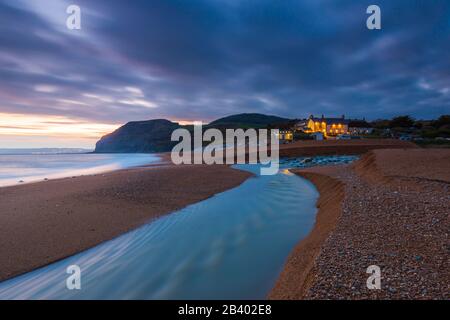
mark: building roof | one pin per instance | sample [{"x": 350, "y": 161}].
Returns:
[{"x": 331, "y": 120}]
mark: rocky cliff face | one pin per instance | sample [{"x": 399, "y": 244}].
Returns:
[{"x": 139, "y": 136}]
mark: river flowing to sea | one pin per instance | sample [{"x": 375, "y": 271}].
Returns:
[{"x": 230, "y": 246}]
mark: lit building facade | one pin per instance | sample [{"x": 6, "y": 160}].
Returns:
[{"x": 328, "y": 126}]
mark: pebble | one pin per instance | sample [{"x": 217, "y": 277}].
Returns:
[{"x": 405, "y": 233}]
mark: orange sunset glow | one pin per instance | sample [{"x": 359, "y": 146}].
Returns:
[{"x": 26, "y": 127}]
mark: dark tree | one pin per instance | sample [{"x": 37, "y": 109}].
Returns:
[
  {"x": 442, "y": 121},
  {"x": 402, "y": 122},
  {"x": 380, "y": 124},
  {"x": 359, "y": 124}
]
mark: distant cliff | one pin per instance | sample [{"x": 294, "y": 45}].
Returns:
[
  {"x": 139, "y": 136},
  {"x": 154, "y": 135}
]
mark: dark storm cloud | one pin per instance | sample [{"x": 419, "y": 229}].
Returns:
[{"x": 201, "y": 59}]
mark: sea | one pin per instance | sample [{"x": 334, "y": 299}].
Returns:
[{"x": 19, "y": 166}]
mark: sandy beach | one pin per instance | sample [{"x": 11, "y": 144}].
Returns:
[
  {"x": 43, "y": 222},
  {"x": 389, "y": 209}
]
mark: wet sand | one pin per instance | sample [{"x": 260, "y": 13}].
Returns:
[
  {"x": 44, "y": 222},
  {"x": 393, "y": 212}
]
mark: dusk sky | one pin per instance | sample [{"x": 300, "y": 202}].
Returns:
[{"x": 188, "y": 60}]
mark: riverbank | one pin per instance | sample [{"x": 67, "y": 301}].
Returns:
[
  {"x": 43, "y": 222},
  {"x": 296, "y": 276},
  {"x": 389, "y": 209},
  {"x": 310, "y": 148}
]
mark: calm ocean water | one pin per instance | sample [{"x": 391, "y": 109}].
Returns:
[{"x": 22, "y": 167}]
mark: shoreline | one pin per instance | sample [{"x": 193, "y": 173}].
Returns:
[
  {"x": 47, "y": 221},
  {"x": 393, "y": 214},
  {"x": 163, "y": 159},
  {"x": 292, "y": 284}
]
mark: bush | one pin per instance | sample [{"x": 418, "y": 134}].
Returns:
[
  {"x": 302, "y": 136},
  {"x": 430, "y": 134}
]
